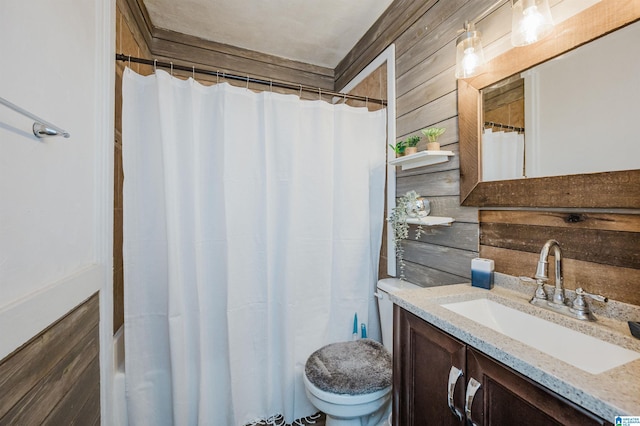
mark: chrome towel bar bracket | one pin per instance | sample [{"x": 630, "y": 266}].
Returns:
[{"x": 41, "y": 128}]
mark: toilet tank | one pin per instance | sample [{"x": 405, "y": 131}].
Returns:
[{"x": 385, "y": 307}]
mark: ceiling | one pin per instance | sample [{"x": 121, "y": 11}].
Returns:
[{"x": 318, "y": 32}]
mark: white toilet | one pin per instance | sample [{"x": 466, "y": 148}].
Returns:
[{"x": 362, "y": 400}]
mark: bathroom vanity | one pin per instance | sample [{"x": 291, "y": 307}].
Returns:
[{"x": 449, "y": 369}]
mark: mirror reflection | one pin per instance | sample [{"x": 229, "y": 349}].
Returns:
[{"x": 574, "y": 114}]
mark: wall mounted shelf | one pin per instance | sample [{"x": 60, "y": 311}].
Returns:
[
  {"x": 431, "y": 221},
  {"x": 422, "y": 158}
]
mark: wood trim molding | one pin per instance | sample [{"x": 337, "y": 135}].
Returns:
[
  {"x": 161, "y": 35},
  {"x": 469, "y": 137},
  {"x": 138, "y": 12},
  {"x": 594, "y": 190},
  {"x": 614, "y": 189},
  {"x": 165, "y": 44},
  {"x": 194, "y": 50}
]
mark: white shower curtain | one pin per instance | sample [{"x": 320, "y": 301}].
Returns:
[
  {"x": 252, "y": 229},
  {"x": 502, "y": 155}
]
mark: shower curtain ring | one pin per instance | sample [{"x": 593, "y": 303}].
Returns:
[
  {"x": 217, "y": 76},
  {"x": 366, "y": 102},
  {"x": 319, "y": 93},
  {"x": 194, "y": 73},
  {"x": 247, "y": 82},
  {"x": 155, "y": 62},
  {"x": 300, "y": 95},
  {"x": 271, "y": 86},
  {"x": 129, "y": 61},
  {"x": 171, "y": 68}
]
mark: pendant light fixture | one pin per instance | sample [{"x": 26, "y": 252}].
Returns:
[
  {"x": 531, "y": 21},
  {"x": 469, "y": 53}
]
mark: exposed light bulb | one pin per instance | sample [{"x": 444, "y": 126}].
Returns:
[
  {"x": 531, "y": 21},
  {"x": 470, "y": 61},
  {"x": 530, "y": 24}
]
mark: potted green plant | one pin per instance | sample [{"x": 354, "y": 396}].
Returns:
[
  {"x": 405, "y": 208},
  {"x": 399, "y": 148},
  {"x": 432, "y": 134},
  {"x": 412, "y": 144}
]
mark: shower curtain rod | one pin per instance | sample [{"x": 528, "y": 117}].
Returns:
[
  {"x": 504, "y": 126},
  {"x": 247, "y": 79}
]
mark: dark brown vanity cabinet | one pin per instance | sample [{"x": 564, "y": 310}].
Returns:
[{"x": 438, "y": 380}]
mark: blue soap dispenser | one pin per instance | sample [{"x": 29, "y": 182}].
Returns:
[{"x": 482, "y": 273}]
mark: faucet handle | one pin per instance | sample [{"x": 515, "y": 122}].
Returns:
[
  {"x": 580, "y": 292},
  {"x": 527, "y": 280},
  {"x": 540, "y": 294},
  {"x": 579, "y": 305},
  {"x": 580, "y": 308}
]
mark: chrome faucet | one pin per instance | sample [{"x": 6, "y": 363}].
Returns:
[
  {"x": 542, "y": 273},
  {"x": 578, "y": 308}
]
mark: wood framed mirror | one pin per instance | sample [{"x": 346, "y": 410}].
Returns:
[{"x": 618, "y": 189}]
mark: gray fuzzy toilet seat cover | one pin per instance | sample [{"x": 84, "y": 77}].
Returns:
[{"x": 353, "y": 368}]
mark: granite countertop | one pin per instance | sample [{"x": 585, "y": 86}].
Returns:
[{"x": 615, "y": 392}]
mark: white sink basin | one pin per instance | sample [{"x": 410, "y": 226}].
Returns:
[{"x": 580, "y": 350}]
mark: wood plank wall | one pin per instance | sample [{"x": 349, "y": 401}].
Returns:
[
  {"x": 426, "y": 96},
  {"x": 54, "y": 379},
  {"x": 600, "y": 250},
  {"x": 601, "y": 246}
]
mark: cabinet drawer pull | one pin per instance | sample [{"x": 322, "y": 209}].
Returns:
[
  {"x": 472, "y": 388},
  {"x": 454, "y": 375}
]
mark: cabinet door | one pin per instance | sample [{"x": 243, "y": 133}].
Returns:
[
  {"x": 422, "y": 361},
  {"x": 507, "y": 398}
]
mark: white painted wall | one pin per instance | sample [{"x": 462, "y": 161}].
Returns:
[
  {"x": 48, "y": 186},
  {"x": 55, "y": 194}
]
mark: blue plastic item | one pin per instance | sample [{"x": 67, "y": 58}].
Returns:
[
  {"x": 355, "y": 326},
  {"x": 482, "y": 273}
]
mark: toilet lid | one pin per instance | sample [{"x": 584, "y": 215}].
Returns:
[{"x": 353, "y": 368}]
